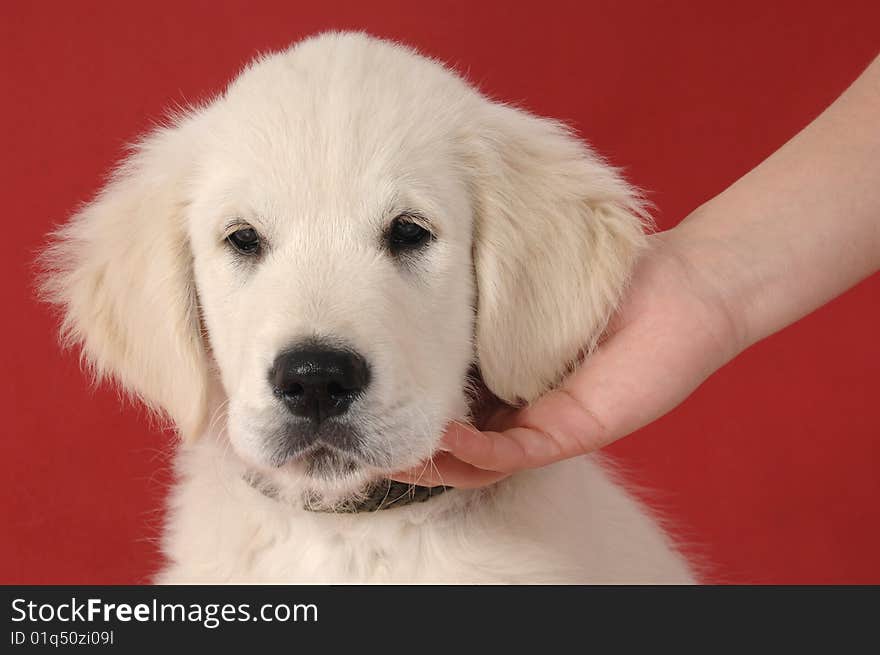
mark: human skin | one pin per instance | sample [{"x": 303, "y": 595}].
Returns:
[{"x": 795, "y": 232}]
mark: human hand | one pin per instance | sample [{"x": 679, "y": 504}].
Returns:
[{"x": 673, "y": 329}]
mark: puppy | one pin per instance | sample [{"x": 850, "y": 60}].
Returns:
[{"x": 308, "y": 274}]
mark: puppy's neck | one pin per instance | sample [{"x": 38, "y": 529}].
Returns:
[{"x": 377, "y": 496}]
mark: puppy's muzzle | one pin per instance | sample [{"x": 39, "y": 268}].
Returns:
[{"x": 316, "y": 383}]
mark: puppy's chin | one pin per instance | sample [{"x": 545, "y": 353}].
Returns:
[
  {"x": 320, "y": 472},
  {"x": 321, "y": 476},
  {"x": 323, "y": 463}
]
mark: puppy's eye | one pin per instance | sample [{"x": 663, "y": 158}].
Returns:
[
  {"x": 245, "y": 240},
  {"x": 404, "y": 234}
]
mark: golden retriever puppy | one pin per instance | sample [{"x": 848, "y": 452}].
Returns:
[{"x": 309, "y": 274}]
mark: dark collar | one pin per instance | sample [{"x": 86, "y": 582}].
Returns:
[{"x": 384, "y": 494}]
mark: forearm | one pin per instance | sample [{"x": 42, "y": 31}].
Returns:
[{"x": 803, "y": 226}]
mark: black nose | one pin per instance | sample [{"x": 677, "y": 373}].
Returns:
[{"x": 317, "y": 382}]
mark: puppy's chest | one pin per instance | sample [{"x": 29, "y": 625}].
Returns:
[{"x": 220, "y": 529}]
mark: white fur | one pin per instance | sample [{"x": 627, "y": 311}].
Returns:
[{"x": 319, "y": 148}]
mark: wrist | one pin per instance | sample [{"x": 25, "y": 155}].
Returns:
[{"x": 719, "y": 277}]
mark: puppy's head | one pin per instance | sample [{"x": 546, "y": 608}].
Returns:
[{"x": 333, "y": 243}]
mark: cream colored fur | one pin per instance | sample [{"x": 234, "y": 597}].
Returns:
[{"x": 318, "y": 148}]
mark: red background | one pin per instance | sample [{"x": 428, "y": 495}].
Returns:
[{"x": 771, "y": 469}]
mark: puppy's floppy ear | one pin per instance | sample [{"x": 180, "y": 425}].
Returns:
[
  {"x": 121, "y": 272},
  {"x": 556, "y": 236}
]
